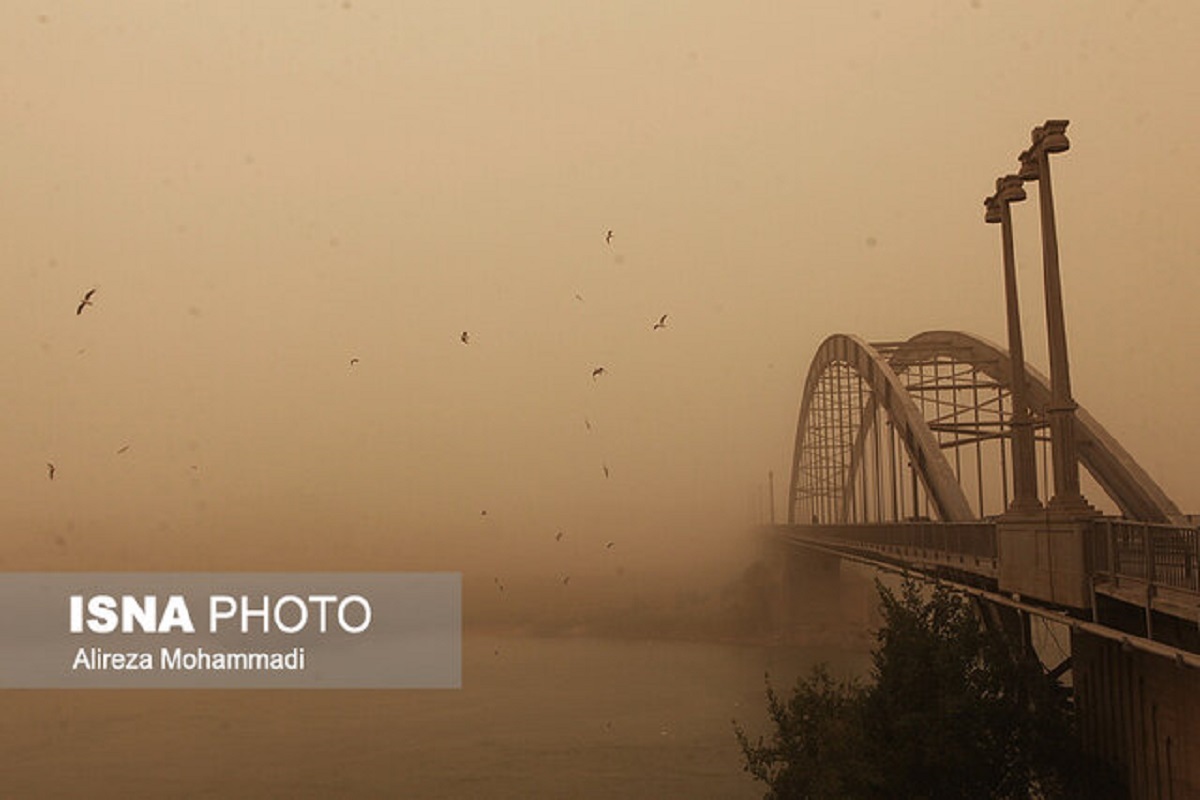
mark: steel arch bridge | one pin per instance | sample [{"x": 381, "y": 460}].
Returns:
[
  {"x": 919, "y": 430},
  {"x": 902, "y": 461}
]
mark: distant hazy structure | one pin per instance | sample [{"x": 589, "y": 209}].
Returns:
[{"x": 86, "y": 301}]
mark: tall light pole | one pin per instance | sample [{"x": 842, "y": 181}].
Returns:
[
  {"x": 1025, "y": 498},
  {"x": 1048, "y": 138}
]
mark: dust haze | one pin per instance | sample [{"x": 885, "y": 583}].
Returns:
[{"x": 290, "y": 214}]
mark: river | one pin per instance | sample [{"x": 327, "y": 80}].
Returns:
[{"x": 536, "y": 717}]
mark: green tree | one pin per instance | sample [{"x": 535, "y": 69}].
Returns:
[
  {"x": 819, "y": 747},
  {"x": 954, "y": 709}
]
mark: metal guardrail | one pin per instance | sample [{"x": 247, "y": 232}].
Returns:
[
  {"x": 1157, "y": 554},
  {"x": 971, "y": 545}
]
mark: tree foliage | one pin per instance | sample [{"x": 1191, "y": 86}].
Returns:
[{"x": 954, "y": 709}]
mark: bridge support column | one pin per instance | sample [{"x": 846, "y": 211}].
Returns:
[
  {"x": 1140, "y": 713},
  {"x": 1024, "y": 466},
  {"x": 1067, "y": 501},
  {"x": 1045, "y": 559},
  {"x": 810, "y": 593}
]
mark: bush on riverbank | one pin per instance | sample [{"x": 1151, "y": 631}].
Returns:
[{"x": 952, "y": 710}]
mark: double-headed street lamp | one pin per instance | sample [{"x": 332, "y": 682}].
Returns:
[
  {"x": 1048, "y": 138},
  {"x": 1025, "y": 497}
]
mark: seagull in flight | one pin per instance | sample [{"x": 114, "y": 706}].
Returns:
[
  {"x": 566, "y": 579},
  {"x": 86, "y": 301},
  {"x": 587, "y": 423},
  {"x": 558, "y": 536},
  {"x": 609, "y": 545},
  {"x": 465, "y": 338},
  {"x": 50, "y": 470},
  {"x": 122, "y": 449},
  {"x": 353, "y": 361},
  {"x": 662, "y": 322},
  {"x": 605, "y": 468},
  {"x": 608, "y": 238},
  {"x": 597, "y": 372}
]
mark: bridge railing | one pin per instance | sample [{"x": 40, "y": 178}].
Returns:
[
  {"x": 1157, "y": 554},
  {"x": 970, "y": 545}
]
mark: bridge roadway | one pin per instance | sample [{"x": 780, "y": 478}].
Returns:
[{"x": 1154, "y": 568}]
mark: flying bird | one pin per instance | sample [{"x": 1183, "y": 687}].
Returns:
[
  {"x": 86, "y": 301},
  {"x": 598, "y": 371},
  {"x": 122, "y": 449},
  {"x": 587, "y": 423},
  {"x": 662, "y": 322},
  {"x": 50, "y": 470},
  {"x": 608, "y": 237},
  {"x": 558, "y": 536},
  {"x": 609, "y": 545},
  {"x": 605, "y": 468},
  {"x": 579, "y": 297},
  {"x": 465, "y": 338},
  {"x": 566, "y": 579},
  {"x": 353, "y": 361}
]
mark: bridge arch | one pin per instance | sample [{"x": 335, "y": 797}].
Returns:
[{"x": 854, "y": 389}]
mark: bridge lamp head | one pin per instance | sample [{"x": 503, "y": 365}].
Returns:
[
  {"x": 1053, "y": 136},
  {"x": 1010, "y": 189},
  {"x": 992, "y": 212},
  {"x": 1028, "y": 170}
]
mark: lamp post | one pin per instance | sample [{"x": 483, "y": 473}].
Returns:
[
  {"x": 1025, "y": 498},
  {"x": 1048, "y": 138}
]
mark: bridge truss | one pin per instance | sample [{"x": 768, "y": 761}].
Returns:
[{"x": 920, "y": 430}]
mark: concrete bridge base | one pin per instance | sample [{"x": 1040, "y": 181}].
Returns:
[
  {"x": 1046, "y": 559},
  {"x": 808, "y": 592}
]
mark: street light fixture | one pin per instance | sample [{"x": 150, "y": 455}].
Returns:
[
  {"x": 1009, "y": 189},
  {"x": 1048, "y": 138}
]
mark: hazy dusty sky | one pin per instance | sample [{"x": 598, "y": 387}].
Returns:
[{"x": 262, "y": 191}]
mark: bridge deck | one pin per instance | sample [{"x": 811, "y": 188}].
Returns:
[{"x": 1148, "y": 565}]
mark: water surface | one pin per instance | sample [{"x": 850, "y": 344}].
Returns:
[{"x": 577, "y": 717}]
